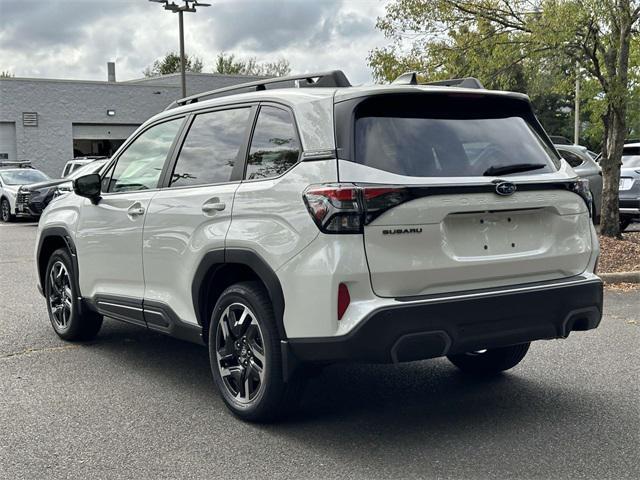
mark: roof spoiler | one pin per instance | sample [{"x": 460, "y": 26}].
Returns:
[
  {"x": 333, "y": 78},
  {"x": 411, "y": 78}
]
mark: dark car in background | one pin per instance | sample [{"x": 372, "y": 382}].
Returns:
[
  {"x": 629, "y": 196},
  {"x": 32, "y": 199},
  {"x": 586, "y": 167}
]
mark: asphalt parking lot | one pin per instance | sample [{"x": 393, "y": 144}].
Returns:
[{"x": 134, "y": 404}]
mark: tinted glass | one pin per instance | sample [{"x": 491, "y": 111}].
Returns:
[
  {"x": 274, "y": 146},
  {"x": 448, "y": 136},
  {"x": 211, "y": 148},
  {"x": 140, "y": 165},
  {"x": 571, "y": 158},
  {"x": 23, "y": 176}
]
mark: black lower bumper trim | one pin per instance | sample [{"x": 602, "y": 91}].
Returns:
[{"x": 428, "y": 330}]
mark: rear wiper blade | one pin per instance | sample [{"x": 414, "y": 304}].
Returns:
[{"x": 513, "y": 168}]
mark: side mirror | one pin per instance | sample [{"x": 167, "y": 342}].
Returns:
[{"x": 88, "y": 186}]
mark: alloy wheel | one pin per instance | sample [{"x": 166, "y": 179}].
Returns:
[
  {"x": 60, "y": 295},
  {"x": 240, "y": 352}
]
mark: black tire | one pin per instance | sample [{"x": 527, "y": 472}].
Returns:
[
  {"x": 247, "y": 393},
  {"x": 5, "y": 211},
  {"x": 490, "y": 361},
  {"x": 624, "y": 222},
  {"x": 62, "y": 301}
]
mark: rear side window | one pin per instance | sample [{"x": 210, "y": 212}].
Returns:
[
  {"x": 447, "y": 136},
  {"x": 631, "y": 157},
  {"x": 211, "y": 148},
  {"x": 274, "y": 145},
  {"x": 571, "y": 158}
]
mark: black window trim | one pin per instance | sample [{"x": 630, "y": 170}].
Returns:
[
  {"x": 236, "y": 173},
  {"x": 125, "y": 146},
  {"x": 296, "y": 130}
]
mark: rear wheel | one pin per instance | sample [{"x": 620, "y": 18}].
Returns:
[
  {"x": 490, "y": 361},
  {"x": 244, "y": 351},
  {"x": 62, "y": 301},
  {"x": 5, "y": 211}
]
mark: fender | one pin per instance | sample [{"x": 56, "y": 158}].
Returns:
[
  {"x": 252, "y": 260},
  {"x": 63, "y": 234}
]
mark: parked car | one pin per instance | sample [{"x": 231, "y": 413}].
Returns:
[
  {"x": 73, "y": 165},
  {"x": 10, "y": 181},
  {"x": 32, "y": 199},
  {"x": 586, "y": 167},
  {"x": 629, "y": 196},
  {"x": 560, "y": 140},
  {"x": 286, "y": 227}
]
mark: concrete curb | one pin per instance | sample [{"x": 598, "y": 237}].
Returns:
[{"x": 620, "y": 277}]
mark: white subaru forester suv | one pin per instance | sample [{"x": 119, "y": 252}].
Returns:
[{"x": 286, "y": 227}]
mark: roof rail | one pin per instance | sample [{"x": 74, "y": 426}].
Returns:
[
  {"x": 411, "y": 78},
  {"x": 16, "y": 164},
  {"x": 333, "y": 78}
]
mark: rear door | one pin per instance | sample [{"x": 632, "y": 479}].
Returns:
[
  {"x": 469, "y": 200},
  {"x": 191, "y": 215}
]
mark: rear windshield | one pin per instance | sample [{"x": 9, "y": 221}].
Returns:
[
  {"x": 631, "y": 157},
  {"x": 451, "y": 137}
]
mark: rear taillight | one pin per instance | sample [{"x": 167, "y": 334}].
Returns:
[
  {"x": 581, "y": 187},
  {"x": 346, "y": 207}
]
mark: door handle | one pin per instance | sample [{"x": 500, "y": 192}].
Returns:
[
  {"x": 135, "y": 210},
  {"x": 213, "y": 207}
]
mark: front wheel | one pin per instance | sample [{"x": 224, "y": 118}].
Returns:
[
  {"x": 494, "y": 360},
  {"x": 244, "y": 351},
  {"x": 5, "y": 211},
  {"x": 62, "y": 301}
]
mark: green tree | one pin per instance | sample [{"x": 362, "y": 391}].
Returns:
[
  {"x": 170, "y": 63},
  {"x": 228, "y": 64},
  {"x": 522, "y": 44},
  {"x": 6, "y": 74}
]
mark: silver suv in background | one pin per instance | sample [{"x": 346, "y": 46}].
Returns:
[{"x": 629, "y": 196}]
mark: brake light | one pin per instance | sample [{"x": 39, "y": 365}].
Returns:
[
  {"x": 344, "y": 299},
  {"x": 346, "y": 207},
  {"x": 581, "y": 187}
]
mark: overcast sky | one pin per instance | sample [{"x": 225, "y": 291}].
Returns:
[{"x": 75, "y": 39}]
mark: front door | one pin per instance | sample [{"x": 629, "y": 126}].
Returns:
[{"x": 109, "y": 234}]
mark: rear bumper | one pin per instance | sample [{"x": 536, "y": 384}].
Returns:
[{"x": 435, "y": 327}]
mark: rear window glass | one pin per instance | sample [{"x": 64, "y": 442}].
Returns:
[{"x": 449, "y": 138}]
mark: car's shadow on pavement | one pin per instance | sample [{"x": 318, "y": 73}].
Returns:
[{"x": 429, "y": 399}]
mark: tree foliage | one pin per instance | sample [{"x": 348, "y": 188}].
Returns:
[
  {"x": 230, "y": 65},
  {"x": 170, "y": 63},
  {"x": 535, "y": 46},
  {"x": 6, "y": 74}
]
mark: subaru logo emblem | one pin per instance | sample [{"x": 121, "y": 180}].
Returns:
[{"x": 505, "y": 188}]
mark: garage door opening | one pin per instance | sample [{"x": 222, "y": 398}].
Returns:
[
  {"x": 87, "y": 147},
  {"x": 90, "y": 139}
]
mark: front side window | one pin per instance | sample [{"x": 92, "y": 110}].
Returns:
[
  {"x": 211, "y": 148},
  {"x": 140, "y": 165},
  {"x": 274, "y": 146}
]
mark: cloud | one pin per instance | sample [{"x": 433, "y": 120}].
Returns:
[{"x": 75, "y": 38}]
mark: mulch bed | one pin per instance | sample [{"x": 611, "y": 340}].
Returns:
[{"x": 620, "y": 255}]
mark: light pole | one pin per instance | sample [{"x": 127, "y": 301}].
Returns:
[{"x": 189, "y": 6}]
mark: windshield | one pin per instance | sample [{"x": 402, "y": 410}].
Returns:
[
  {"x": 450, "y": 138},
  {"x": 24, "y": 176},
  {"x": 92, "y": 167},
  {"x": 631, "y": 157}
]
